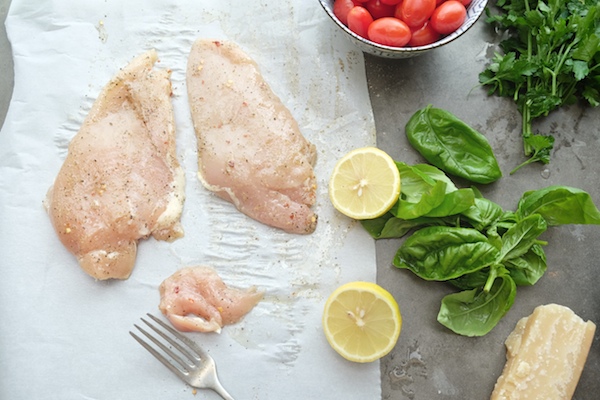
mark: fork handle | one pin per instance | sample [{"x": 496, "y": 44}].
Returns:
[
  {"x": 215, "y": 385},
  {"x": 218, "y": 388}
]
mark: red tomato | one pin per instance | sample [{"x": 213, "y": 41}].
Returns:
[
  {"x": 465, "y": 2},
  {"x": 416, "y": 12},
  {"x": 448, "y": 17},
  {"x": 359, "y": 2},
  {"x": 438, "y": 2},
  {"x": 389, "y": 31},
  {"x": 397, "y": 11},
  {"x": 424, "y": 36},
  {"x": 378, "y": 9},
  {"x": 390, "y": 2},
  {"x": 359, "y": 20},
  {"x": 341, "y": 8}
]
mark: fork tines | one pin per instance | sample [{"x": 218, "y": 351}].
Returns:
[
  {"x": 181, "y": 355},
  {"x": 189, "y": 356}
]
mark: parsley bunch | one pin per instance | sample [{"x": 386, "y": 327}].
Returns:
[{"x": 550, "y": 58}]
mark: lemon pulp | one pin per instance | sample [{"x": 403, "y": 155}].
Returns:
[
  {"x": 362, "y": 321},
  {"x": 365, "y": 183}
]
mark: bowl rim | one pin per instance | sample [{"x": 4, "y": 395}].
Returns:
[{"x": 445, "y": 40}]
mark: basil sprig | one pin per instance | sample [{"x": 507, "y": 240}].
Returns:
[{"x": 458, "y": 236}]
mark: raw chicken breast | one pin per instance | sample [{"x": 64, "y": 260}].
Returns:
[
  {"x": 196, "y": 299},
  {"x": 121, "y": 180},
  {"x": 250, "y": 149}
]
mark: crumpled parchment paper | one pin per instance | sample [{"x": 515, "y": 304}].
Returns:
[{"x": 64, "y": 335}]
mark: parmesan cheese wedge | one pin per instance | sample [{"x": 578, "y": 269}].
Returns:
[{"x": 546, "y": 354}]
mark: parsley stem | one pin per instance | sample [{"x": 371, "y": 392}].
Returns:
[
  {"x": 524, "y": 163},
  {"x": 563, "y": 56},
  {"x": 526, "y": 126},
  {"x": 525, "y": 113}
]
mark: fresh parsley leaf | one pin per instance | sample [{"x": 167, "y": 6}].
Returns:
[
  {"x": 550, "y": 58},
  {"x": 541, "y": 147}
]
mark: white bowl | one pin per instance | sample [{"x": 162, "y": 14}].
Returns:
[{"x": 474, "y": 11}]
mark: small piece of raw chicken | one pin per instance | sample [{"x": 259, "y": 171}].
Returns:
[
  {"x": 121, "y": 180},
  {"x": 196, "y": 299},
  {"x": 250, "y": 149}
]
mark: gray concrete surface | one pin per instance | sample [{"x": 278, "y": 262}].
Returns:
[{"x": 429, "y": 362}]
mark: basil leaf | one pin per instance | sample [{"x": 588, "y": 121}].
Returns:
[
  {"x": 454, "y": 203},
  {"x": 494, "y": 237},
  {"x": 476, "y": 312},
  {"x": 429, "y": 200},
  {"x": 527, "y": 269},
  {"x": 506, "y": 221},
  {"x": 482, "y": 213},
  {"x": 453, "y": 146},
  {"x": 429, "y": 171},
  {"x": 388, "y": 226},
  {"x": 519, "y": 238},
  {"x": 376, "y": 225},
  {"x": 419, "y": 193},
  {"x": 427, "y": 191},
  {"x": 414, "y": 182},
  {"x": 473, "y": 280},
  {"x": 456, "y": 200},
  {"x": 559, "y": 205},
  {"x": 442, "y": 252}
]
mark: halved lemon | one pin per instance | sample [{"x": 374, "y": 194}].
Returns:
[
  {"x": 362, "y": 321},
  {"x": 365, "y": 183}
]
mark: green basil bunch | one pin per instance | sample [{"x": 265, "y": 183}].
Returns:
[
  {"x": 471, "y": 242},
  {"x": 452, "y": 145}
]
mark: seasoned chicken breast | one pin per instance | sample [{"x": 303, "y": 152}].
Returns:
[
  {"x": 196, "y": 299},
  {"x": 121, "y": 180},
  {"x": 250, "y": 149}
]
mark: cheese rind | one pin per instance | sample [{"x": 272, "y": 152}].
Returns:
[{"x": 546, "y": 353}]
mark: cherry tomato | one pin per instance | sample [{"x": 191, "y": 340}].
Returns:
[
  {"x": 465, "y": 2},
  {"x": 389, "y": 31},
  {"x": 438, "y": 2},
  {"x": 359, "y": 20},
  {"x": 397, "y": 11},
  {"x": 424, "y": 36},
  {"x": 416, "y": 12},
  {"x": 341, "y": 8},
  {"x": 448, "y": 17},
  {"x": 390, "y": 2},
  {"x": 378, "y": 9}
]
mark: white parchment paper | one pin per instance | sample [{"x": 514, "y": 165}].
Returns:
[{"x": 64, "y": 335}]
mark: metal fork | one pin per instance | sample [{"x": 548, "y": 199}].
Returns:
[{"x": 193, "y": 365}]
